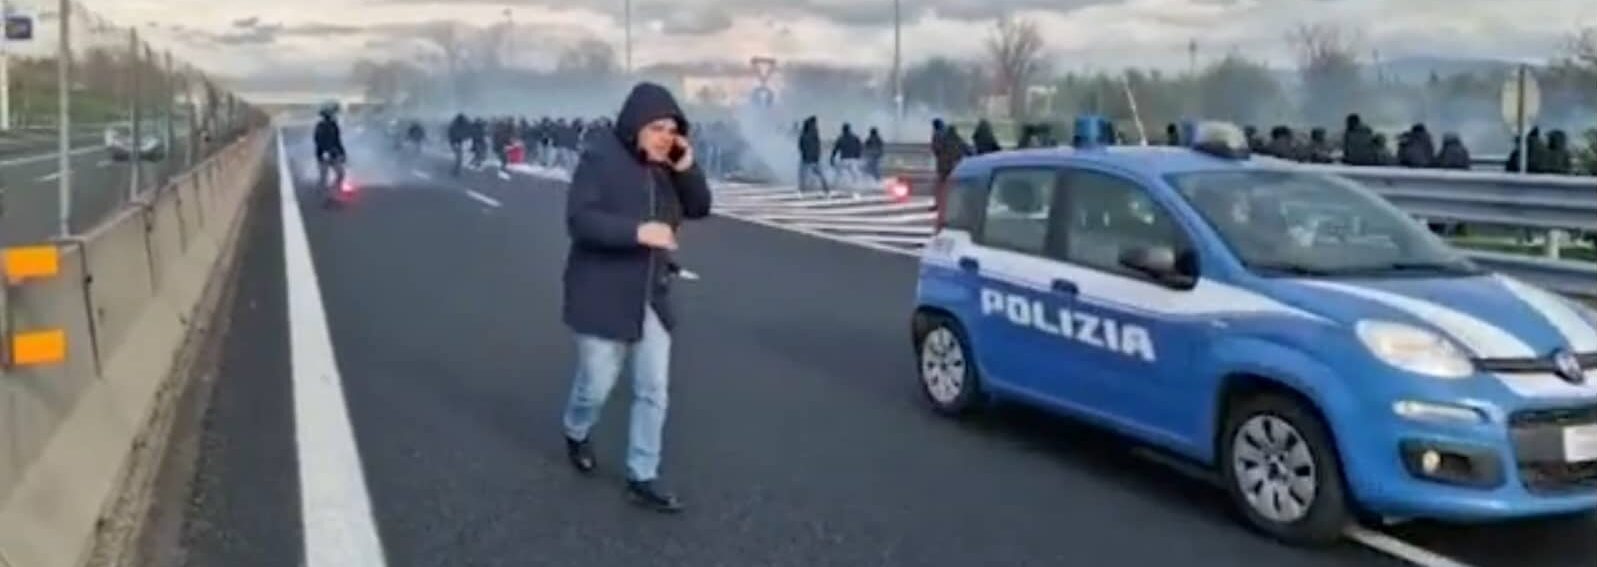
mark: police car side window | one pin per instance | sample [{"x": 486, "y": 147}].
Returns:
[
  {"x": 967, "y": 200},
  {"x": 1018, "y": 206},
  {"x": 1108, "y": 215}
]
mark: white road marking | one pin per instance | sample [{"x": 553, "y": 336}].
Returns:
[
  {"x": 504, "y": 175},
  {"x": 421, "y": 174},
  {"x": 484, "y": 199},
  {"x": 1400, "y": 549},
  {"x": 47, "y": 156},
  {"x": 687, "y": 274},
  {"x": 817, "y": 234},
  {"x": 335, "y": 507},
  {"x": 49, "y": 177}
]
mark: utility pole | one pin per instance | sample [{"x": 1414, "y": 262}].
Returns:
[
  {"x": 63, "y": 79},
  {"x": 627, "y": 16},
  {"x": 898, "y": 71},
  {"x": 5, "y": 70}
]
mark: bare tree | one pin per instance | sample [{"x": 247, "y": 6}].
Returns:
[
  {"x": 1016, "y": 50},
  {"x": 1329, "y": 69}
]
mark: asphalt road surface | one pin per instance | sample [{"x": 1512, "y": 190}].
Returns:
[
  {"x": 29, "y": 208},
  {"x": 796, "y": 435}
]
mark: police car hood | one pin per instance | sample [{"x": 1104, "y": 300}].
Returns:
[{"x": 1492, "y": 316}]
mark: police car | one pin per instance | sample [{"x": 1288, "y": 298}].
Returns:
[{"x": 1323, "y": 353}]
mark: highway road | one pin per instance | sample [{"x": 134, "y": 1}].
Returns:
[
  {"x": 31, "y": 201},
  {"x": 389, "y": 388}
]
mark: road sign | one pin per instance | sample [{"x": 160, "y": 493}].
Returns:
[
  {"x": 19, "y": 28},
  {"x": 1512, "y": 88}
]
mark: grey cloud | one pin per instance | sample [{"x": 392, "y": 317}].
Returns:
[
  {"x": 862, "y": 13},
  {"x": 249, "y": 22}
]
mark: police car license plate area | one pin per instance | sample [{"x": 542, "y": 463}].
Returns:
[{"x": 1580, "y": 444}]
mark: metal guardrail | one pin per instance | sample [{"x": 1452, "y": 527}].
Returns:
[{"x": 1532, "y": 201}]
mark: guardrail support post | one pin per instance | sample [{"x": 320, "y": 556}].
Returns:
[{"x": 1555, "y": 243}]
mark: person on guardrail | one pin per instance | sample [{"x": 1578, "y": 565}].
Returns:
[
  {"x": 1557, "y": 159},
  {"x": 984, "y": 138},
  {"x": 628, "y": 197},
  {"x": 330, "y": 153},
  {"x": 1358, "y": 147},
  {"x": 1453, "y": 154}
]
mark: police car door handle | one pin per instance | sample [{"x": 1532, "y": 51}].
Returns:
[
  {"x": 1066, "y": 287},
  {"x": 969, "y": 264}
]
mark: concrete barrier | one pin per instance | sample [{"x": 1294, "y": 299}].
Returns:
[{"x": 127, "y": 296}]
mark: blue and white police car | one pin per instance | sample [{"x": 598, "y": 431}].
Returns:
[{"x": 1322, "y": 352}]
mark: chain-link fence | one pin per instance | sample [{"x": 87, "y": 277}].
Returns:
[{"x": 135, "y": 117}]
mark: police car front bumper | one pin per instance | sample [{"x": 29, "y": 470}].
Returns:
[{"x": 1516, "y": 463}]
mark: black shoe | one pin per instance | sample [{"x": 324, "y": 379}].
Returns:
[
  {"x": 649, "y": 495},
  {"x": 581, "y": 455}
]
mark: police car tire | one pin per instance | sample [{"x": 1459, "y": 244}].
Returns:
[
  {"x": 1329, "y": 513},
  {"x": 969, "y": 396}
]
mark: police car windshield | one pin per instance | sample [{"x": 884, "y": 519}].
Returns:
[{"x": 1311, "y": 224}]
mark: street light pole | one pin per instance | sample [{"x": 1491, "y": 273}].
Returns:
[
  {"x": 898, "y": 72},
  {"x": 628, "y": 25}
]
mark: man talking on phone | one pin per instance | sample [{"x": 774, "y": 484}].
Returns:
[{"x": 630, "y": 192}]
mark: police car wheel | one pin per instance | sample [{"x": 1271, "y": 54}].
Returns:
[
  {"x": 947, "y": 372},
  {"x": 1282, "y": 471}
]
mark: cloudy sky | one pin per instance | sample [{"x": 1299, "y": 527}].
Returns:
[{"x": 286, "y": 37}]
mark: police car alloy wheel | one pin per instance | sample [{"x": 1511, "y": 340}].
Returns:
[
  {"x": 1282, "y": 470},
  {"x": 947, "y": 373}
]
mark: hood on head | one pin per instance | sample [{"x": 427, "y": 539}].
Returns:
[{"x": 646, "y": 103}]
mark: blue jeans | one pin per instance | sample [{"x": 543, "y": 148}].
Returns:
[
  {"x": 808, "y": 171},
  {"x": 599, "y": 363}
]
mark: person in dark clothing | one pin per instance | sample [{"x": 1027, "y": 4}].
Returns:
[
  {"x": 459, "y": 132},
  {"x": 1453, "y": 154},
  {"x": 1416, "y": 148},
  {"x": 955, "y": 148},
  {"x": 1255, "y": 143},
  {"x": 1319, "y": 150},
  {"x": 1382, "y": 151},
  {"x": 1358, "y": 147},
  {"x": 1557, "y": 159},
  {"x": 845, "y": 158},
  {"x": 479, "y": 142},
  {"x": 1172, "y": 135},
  {"x": 330, "y": 154},
  {"x": 986, "y": 142},
  {"x": 809, "y": 146},
  {"x": 628, "y": 197},
  {"x": 1283, "y": 144},
  {"x": 1533, "y": 139},
  {"x": 875, "y": 148}
]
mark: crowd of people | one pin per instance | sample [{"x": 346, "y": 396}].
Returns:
[
  {"x": 1358, "y": 145},
  {"x": 854, "y": 162}
]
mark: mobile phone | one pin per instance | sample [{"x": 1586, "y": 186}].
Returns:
[{"x": 678, "y": 150}]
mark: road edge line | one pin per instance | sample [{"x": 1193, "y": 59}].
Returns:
[{"x": 335, "y": 506}]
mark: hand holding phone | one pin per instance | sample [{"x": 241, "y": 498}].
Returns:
[{"x": 682, "y": 155}]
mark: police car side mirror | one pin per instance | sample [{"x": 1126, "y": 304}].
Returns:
[{"x": 1157, "y": 262}]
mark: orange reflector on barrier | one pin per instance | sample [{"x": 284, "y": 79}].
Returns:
[
  {"x": 37, "y": 348},
  {"x": 25, "y": 262}
]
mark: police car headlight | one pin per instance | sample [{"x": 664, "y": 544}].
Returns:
[{"x": 1416, "y": 350}]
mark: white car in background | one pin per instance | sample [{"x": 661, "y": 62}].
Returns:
[{"x": 119, "y": 142}]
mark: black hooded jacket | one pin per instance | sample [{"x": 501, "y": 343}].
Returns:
[
  {"x": 810, "y": 142},
  {"x": 610, "y": 279},
  {"x": 329, "y": 141}
]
